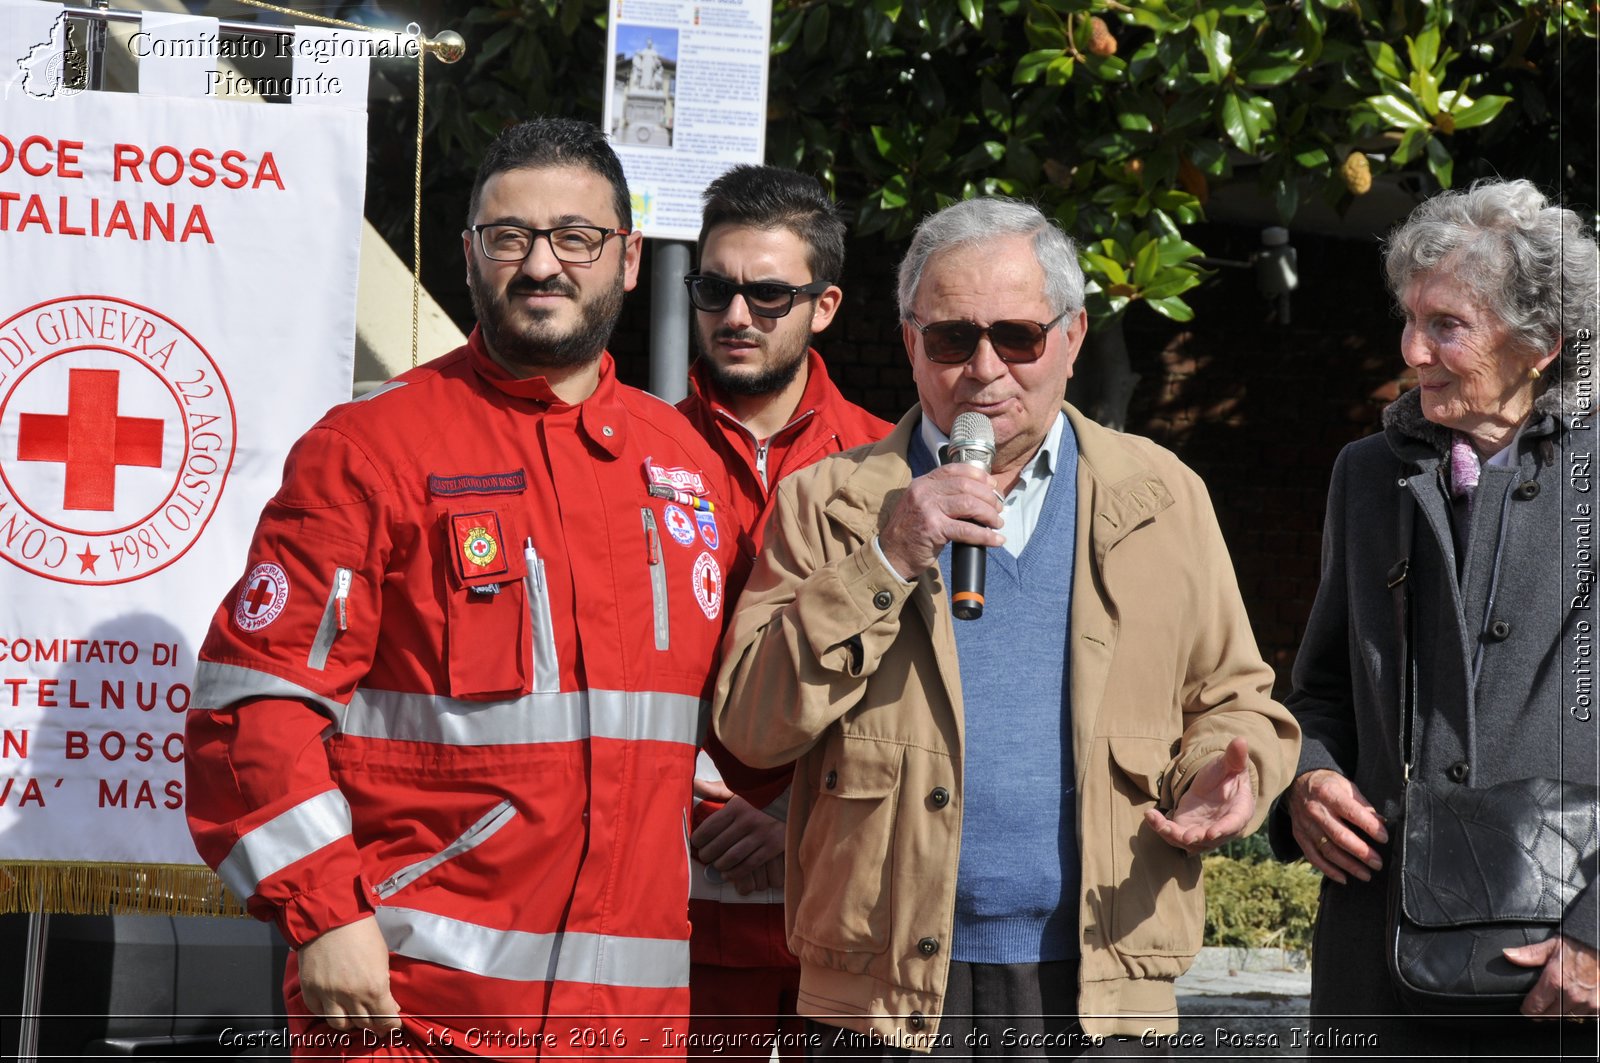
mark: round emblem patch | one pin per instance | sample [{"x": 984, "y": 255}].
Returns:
[
  {"x": 124, "y": 436},
  {"x": 479, "y": 547},
  {"x": 679, "y": 526},
  {"x": 708, "y": 585},
  {"x": 262, "y": 598}
]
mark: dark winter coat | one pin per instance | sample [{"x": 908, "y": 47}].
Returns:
[{"x": 1519, "y": 612}]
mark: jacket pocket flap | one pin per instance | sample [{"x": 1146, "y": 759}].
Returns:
[
  {"x": 1144, "y": 760},
  {"x": 861, "y": 767}
]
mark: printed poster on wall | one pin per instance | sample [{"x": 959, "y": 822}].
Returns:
[
  {"x": 178, "y": 307},
  {"x": 685, "y": 100}
]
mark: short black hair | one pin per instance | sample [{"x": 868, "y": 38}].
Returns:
[
  {"x": 542, "y": 142},
  {"x": 770, "y": 197}
]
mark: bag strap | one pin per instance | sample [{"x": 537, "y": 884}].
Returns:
[{"x": 1400, "y": 587}]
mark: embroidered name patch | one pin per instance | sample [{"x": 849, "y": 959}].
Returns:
[
  {"x": 488, "y": 483},
  {"x": 678, "y": 479}
]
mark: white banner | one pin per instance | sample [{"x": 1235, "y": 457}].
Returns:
[{"x": 177, "y": 307}]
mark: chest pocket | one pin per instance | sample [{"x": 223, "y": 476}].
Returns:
[{"x": 488, "y": 646}]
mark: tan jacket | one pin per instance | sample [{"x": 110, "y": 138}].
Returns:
[{"x": 827, "y": 663}]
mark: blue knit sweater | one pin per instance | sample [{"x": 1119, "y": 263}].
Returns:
[{"x": 1017, "y": 885}]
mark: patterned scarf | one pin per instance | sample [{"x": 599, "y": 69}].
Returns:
[{"x": 1464, "y": 467}]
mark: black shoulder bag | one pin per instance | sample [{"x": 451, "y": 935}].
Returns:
[{"x": 1476, "y": 870}]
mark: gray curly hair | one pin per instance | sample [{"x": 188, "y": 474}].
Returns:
[{"x": 1533, "y": 263}]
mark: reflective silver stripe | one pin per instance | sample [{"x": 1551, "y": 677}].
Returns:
[
  {"x": 532, "y": 718},
  {"x": 216, "y": 686},
  {"x": 658, "y": 580},
  {"x": 329, "y": 629},
  {"x": 546, "y": 668},
  {"x": 283, "y": 839},
  {"x": 518, "y": 956},
  {"x": 382, "y": 389},
  {"x": 475, "y": 835}
]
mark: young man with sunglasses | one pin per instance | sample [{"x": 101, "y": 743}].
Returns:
[
  {"x": 444, "y": 730},
  {"x": 771, "y": 253},
  {"x": 996, "y": 824}
]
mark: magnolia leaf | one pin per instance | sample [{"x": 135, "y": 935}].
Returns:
[
  {"x": 1397, "y": 112},
  {"x": 1171, "y": 307},
  {"x": 1384, "y": 61},
  {"x": 1030, "y": 66},
  {"x": 1440, "y": 164},
  {"x": 1481, "y": 111}
]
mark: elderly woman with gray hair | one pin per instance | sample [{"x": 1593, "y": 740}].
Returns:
[{"x": 1481, "y": 478}]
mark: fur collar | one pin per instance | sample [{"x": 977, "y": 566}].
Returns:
[{"x": 1403, "y": 416}]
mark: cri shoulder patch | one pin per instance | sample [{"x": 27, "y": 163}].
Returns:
[
  {"x": 707, "y": 523},
  {"x": 262, "y": 598},
  {"x": 679, "y": 526},
  {"x": 708, "y": 585}
]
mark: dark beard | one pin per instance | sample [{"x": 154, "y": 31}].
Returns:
[
  {"x": 769, "y": 381},
  {"x": 534, "y": 344}
]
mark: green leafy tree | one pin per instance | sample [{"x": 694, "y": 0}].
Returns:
[{"x": 1117, "y": 118}]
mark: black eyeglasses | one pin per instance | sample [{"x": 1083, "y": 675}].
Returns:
[
  {"x": 953, "y": 342},
  {"x": 576, "y": 244},
  {"x": 764, "y": 298}
]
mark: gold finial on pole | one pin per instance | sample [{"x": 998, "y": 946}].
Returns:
[{"x": 448, "y": 47}]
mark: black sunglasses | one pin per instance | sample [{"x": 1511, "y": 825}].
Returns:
[
  {"x": 764, "y": 298},
  {"x": 953, "y": 342}
]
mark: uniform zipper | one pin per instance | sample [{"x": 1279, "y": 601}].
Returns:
[
  {"x": 658, "y": 578},
  {"x": 475, "y": 835},
  {"x": 763, "y": 445},
  {"x": 335, "y": 618}
]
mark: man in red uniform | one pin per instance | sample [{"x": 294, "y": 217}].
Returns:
[
  {"x": 445, "y": 727},
  {"x": 771, "y": 254}
]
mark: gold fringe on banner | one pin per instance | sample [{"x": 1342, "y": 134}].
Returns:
[{"x": 113, "y": 889}]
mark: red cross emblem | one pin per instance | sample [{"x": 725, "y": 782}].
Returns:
[
  {"x": 118, "y": 434},
  {"x": 90, "y": 439},
  {"x": 708, "y": 585},
  {"x": 266, "y": 592}
]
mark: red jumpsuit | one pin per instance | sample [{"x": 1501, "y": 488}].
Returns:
[
  {"x": 461, "y": 687},
  {"x": 744, "y": 980}
]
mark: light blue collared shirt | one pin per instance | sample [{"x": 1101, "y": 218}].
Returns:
[{"x": 1026, "y": 500}]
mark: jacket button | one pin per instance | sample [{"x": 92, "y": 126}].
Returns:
[
  {"x": 1528, "y": 489},
  {"x": 883, "y": 599},
  {"x": 831, "y": 781},
  {"x": 940, "y": 797},
  {"x": 927, "y": 946},
  {"x": 1457, "y": 771},
  {"x": 1499, "y": 630},
  {"x": 916, "y": 1020}
]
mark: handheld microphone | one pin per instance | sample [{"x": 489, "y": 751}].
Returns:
[{"x": 971, "y": 443}]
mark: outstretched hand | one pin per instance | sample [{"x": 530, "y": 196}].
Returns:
[{"x": 1215, "y": 809}]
